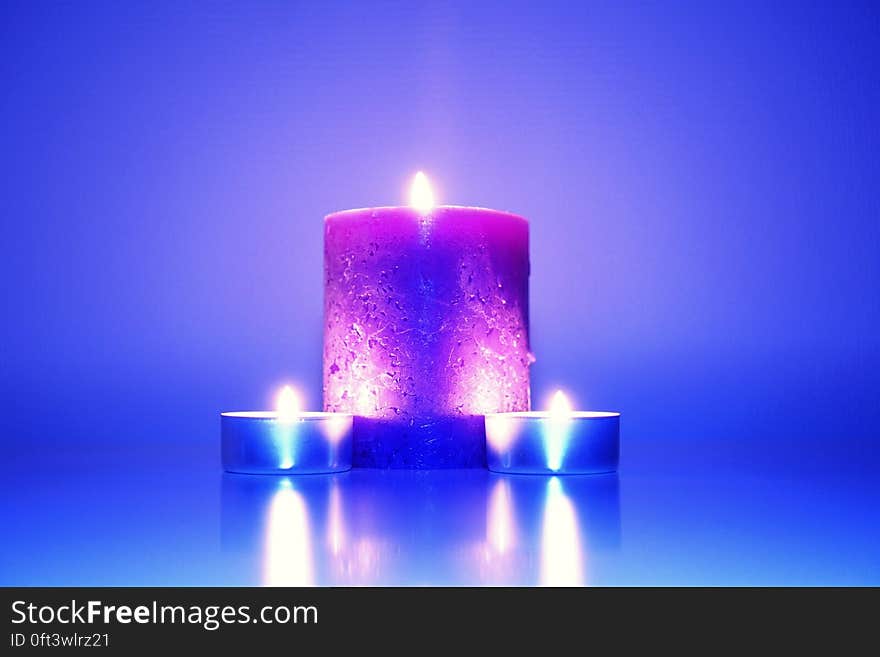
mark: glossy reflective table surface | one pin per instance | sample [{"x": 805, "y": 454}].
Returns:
[{"x": 166, "y": 515}]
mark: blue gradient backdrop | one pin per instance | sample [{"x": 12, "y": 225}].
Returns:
[{"x": 702, "y": 181}]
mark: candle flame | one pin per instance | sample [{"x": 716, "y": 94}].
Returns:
[
  {"x": 560, "y": 406},
  {"x": 288, "y": 405},
  {"x": 420, "y": 195},
  {"x": 557, "y": 433}
]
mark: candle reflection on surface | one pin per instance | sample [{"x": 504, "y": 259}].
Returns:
[
  {"x": 335, "y": 521},
  {"x": 287, "y": 557},
  {"x": 500, "y": 559},
  {"x": 561, "y": 554},
  {"x": 452, "y": 528},
  {"x": 542, "y": 530},
  {"x": 501, "y": 530}
]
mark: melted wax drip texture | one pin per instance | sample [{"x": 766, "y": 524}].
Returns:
[{"x": 426, "y": 329}]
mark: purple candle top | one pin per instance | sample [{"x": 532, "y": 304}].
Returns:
[{"x": 426, "y": 328}]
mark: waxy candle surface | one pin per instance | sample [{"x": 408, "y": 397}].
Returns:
[{"x": 426, "y": 329}]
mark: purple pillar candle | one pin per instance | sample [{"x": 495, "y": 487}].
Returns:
[{"x": 425, "y": 330}]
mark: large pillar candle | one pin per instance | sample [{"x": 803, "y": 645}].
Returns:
[{"x": 425, "y": 329}]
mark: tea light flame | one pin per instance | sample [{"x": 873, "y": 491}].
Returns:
[
  {"x": 420, "y": 195},
  {"x": 560, "y": 406},
  {"x": 557, "y": 432},
  {"x": 288, "y": 405}
]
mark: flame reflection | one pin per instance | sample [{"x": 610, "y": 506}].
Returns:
[
  {"x": 287, "y": 558},
  {"x": 369, "y": 527},
  {"x": 500, "y": 527},
  {"x": 561, "y": 554},
  {"x": 335, "y": 521}
]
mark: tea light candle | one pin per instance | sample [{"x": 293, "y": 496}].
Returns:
[
  {"x": 287, "y": 440},
  {"x": 557, "y": 441}
]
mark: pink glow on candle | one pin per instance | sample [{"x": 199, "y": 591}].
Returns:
[
  {"x": 499, "y": 431},
  {"x": 426, "y": 329},
  {"x": 336, "y": 521}
]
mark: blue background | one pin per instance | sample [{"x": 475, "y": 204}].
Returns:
[{"x": 703, "y": 187}]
